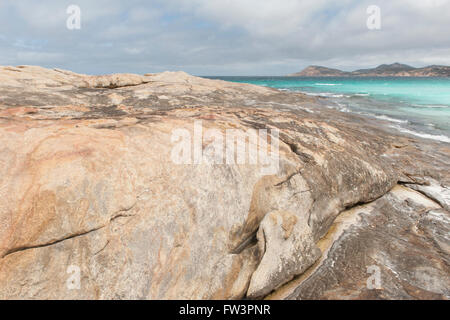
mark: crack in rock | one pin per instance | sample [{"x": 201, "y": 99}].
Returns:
[
  {"x": 75, "y": 235},
  {"x": 71, "y": 236}
]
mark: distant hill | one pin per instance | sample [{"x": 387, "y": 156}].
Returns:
[
  {"x": 384, "y": 70},
  {"x": 317, "y": 71}
]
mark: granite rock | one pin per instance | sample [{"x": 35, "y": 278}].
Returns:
[{"x": 90, "y": 189}]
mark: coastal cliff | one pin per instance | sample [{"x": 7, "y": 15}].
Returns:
[
  {"x": 88, "y": 183},
  {"x": 384, "y": 70}
]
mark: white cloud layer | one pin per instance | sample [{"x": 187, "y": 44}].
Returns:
[{"x": 227, "y": 37}]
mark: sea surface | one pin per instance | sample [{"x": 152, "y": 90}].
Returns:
[{"x": 418, "y": 106}]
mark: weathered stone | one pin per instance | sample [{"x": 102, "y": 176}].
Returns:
[
  {"x": 288, "y": 248},
  {"x": 403, "y": 236},
  {"x": 88, "y": 182}
]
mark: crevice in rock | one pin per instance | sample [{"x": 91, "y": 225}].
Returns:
[
  {"x": 303, "y": 156},
  {"x": 250, "y": 241},
  {"x": 299, "y": 192},
  {"x": 287, "y": 179},
  {"x": 115, "y": 86},
  {"x": 428, "y": 195},
  {"x": 421, "y": 181},
  {"x": 43, "y": 245},
  {"x": 118, "y": 214},
  {"x": 104, "y": 247}
]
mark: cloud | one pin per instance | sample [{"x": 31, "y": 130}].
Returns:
[
  {"x": 222, "y": 36},
  {"x": 40, "y": 57}
]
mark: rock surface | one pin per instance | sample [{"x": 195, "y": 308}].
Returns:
[
  {"x": 402, "y": 238},
  {"x": 89, "y": 187}
]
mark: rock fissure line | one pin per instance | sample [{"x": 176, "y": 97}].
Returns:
[
  {"x": 104, "y": 247},
  {"x": 439, "y": 202},
  {"x": 75, "y": 235},
  {"x": 112, "y": 86},
  {"x": 246, "y": 243},
  {"x": 287, "y": 179},
  {"x": 426, "y": 194},
  {"x": 119, "y": 214}
]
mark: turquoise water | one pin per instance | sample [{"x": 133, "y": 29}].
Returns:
[{"x": 419, "y": 106}]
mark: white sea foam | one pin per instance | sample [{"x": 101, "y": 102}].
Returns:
[
  {"x": 328, "y": 84},
  {"x": 383, "y": 117},
  {"x": 334, "y": 95},
  {"x": 343, "y": 107},
  {"x": 398, "y": 122},
  {"x": 423, "y": 135},
  {"x": 315, "y": 94},
  {"x": 325, "y": 94}
]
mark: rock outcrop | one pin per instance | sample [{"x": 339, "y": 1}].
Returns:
[
  {"x": 90, "y": 189},
  {"x": 364, "y": 243}
]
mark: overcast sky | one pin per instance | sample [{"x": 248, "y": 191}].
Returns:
[{"x": 222, "y": 37}]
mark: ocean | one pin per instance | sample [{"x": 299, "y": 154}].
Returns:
[{"x": 418, "y": 106}]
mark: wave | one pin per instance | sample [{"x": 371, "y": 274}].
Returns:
[
  {"x": 328, "y": 84},
  {"x": 314, "y": 94},
  {"x": 325, "y": 94},
  {"x": 335, "y": 95},
  {"x": 433, "y": 106},
  {"x": 342, "y": 107},
  {"x": 384, "y": 117},
  {"x": 423, "y": 135}
]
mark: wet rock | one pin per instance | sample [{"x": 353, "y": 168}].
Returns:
[{"x": 394, "y": 248}]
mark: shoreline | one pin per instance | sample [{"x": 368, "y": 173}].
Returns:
[
  {"x": 387, "y": 120},
  {"x": 405, "y": 115}
]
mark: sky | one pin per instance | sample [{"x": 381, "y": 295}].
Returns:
[{"x": 222, "y": 37}]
